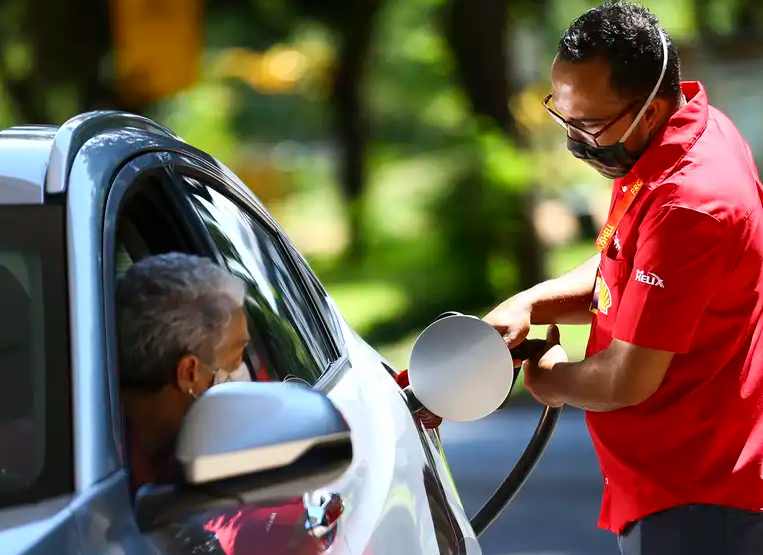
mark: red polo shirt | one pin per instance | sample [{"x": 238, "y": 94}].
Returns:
[{"x": 683, "y": 274}]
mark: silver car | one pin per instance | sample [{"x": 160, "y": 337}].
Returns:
[{"x": 349, "y": 469}]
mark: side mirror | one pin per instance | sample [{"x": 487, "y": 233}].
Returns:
[{"x": 244, "y": 443}]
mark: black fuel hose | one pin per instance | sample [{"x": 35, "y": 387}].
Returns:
[
  {"x": 502, "y": 496},
  {"x": 509, "y": 488}
]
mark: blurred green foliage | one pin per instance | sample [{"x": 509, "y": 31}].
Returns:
[{"x": 448, "y": 195}]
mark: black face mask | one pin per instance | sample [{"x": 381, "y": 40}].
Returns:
[
  {"x": 611, "y": 161},
  {"x": 615, "y": 161}
]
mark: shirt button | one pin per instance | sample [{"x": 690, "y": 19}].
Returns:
[
  {"x": 606, "y": 481},
  {"x": 625, "y": 188}
]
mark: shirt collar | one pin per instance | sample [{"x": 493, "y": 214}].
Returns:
[{"x": 675, "y": 138}]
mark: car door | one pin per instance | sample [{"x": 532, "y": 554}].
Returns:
[
  {"x": 145, "y": 219},
  {"x": 393, "y": 489}
]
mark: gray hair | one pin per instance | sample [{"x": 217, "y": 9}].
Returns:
[{"x": 169, "y": 306}]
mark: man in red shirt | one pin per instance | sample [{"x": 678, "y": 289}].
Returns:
[{"x": 673, "y": 377}]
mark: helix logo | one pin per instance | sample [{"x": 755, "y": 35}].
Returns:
[{"x": 650, "y": 278}]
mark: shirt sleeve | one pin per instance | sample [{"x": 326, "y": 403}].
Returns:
[{"x": 681, "y": 257}]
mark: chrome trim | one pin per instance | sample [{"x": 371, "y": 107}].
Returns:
[
  {"x": 220, "y": 466},
  {"x": 73, "y": 134},
  {"x": 322, "y": 515},
  {"x": 333, "y": 374},
  {"x": 23, "y": 159}
]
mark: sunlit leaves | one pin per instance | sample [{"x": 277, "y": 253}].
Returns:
[
  {"x": 17, "y": 59},
  {"x": 202, "y": 117},
  {"x": 505, "y": 164}
]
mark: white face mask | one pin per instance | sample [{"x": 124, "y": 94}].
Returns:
[{"x": 240, "y": 374}]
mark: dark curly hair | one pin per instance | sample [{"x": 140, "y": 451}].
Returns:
[{"x": 626, "y": 36}]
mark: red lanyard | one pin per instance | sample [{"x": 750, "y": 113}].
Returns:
[{"x": 615, "y": 217}]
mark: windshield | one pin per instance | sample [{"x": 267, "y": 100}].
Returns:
[{"x": 35, "y": 412}]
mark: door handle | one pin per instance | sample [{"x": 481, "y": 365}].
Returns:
[{"x": 322, "y": 512}]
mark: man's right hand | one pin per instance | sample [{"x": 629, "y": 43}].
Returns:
[
  {"x": 563, "y": 300},
  {"x": 511, "y": 319}
]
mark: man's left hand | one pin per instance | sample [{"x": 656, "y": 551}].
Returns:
[{"x": 537, "y": 369}]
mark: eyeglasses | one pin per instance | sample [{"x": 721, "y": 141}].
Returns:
[{"x": 591, "y": 136}]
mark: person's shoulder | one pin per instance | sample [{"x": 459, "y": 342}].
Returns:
[
  {"x": 720, "y": 156},
  {"x": 693, "y": 203},
  {"x": 717, "y": 176},
  {"x": 718, "y": 123}
]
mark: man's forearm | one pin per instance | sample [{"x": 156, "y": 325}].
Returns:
[
  {"x": 588, "y": 384},
  {"x": 620, "y": 376},
  {"x": 563, "y": 300}
]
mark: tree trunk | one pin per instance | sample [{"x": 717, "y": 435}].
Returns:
[
  {"x": 355, "y": 38},
  {"x": 68, "y": 45},
  {"x": 477, "y": 31}
]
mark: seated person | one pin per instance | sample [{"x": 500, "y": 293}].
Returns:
[{"x": 182, "y": 329}]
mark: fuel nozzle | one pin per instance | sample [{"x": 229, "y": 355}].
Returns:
[{"x": 427, "y": 418}]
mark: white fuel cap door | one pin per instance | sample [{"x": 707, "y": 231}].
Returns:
[{"x": 460, "y": 368}]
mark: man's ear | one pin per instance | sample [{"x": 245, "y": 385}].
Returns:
[
  {"x": 656, "y": 114},
  {"x": 189, "y": 374}
]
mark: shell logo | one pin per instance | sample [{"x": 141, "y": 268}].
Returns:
[{"x": 605, "y": 297}]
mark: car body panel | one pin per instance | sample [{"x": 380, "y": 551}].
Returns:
[
  {"x": 41, "y": 529},
  {"x": 105, "y": 520},
  {"x": 77, "y": 131},
  {"x": 383, "y": 486},
  {"x": 395, "y": 484},
  {"x": 385, "y": 491},
  {"x": 91, "y": 175},
  {"x": 388, "y": 477},
  {"x": 397, "y": 497}
]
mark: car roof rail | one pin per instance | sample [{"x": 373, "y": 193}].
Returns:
[{"x": 73, "y": 134}]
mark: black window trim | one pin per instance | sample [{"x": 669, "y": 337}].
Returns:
[
  {"x": 131, "y": 175},
  {"x": 318, "y": 290}
]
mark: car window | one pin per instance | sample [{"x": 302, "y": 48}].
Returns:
[
  {"x": 277, "y": 304},
  {"x": 35, "y": 413}
]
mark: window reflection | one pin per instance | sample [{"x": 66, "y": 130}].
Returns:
[{"x": 276, "y": 306}]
